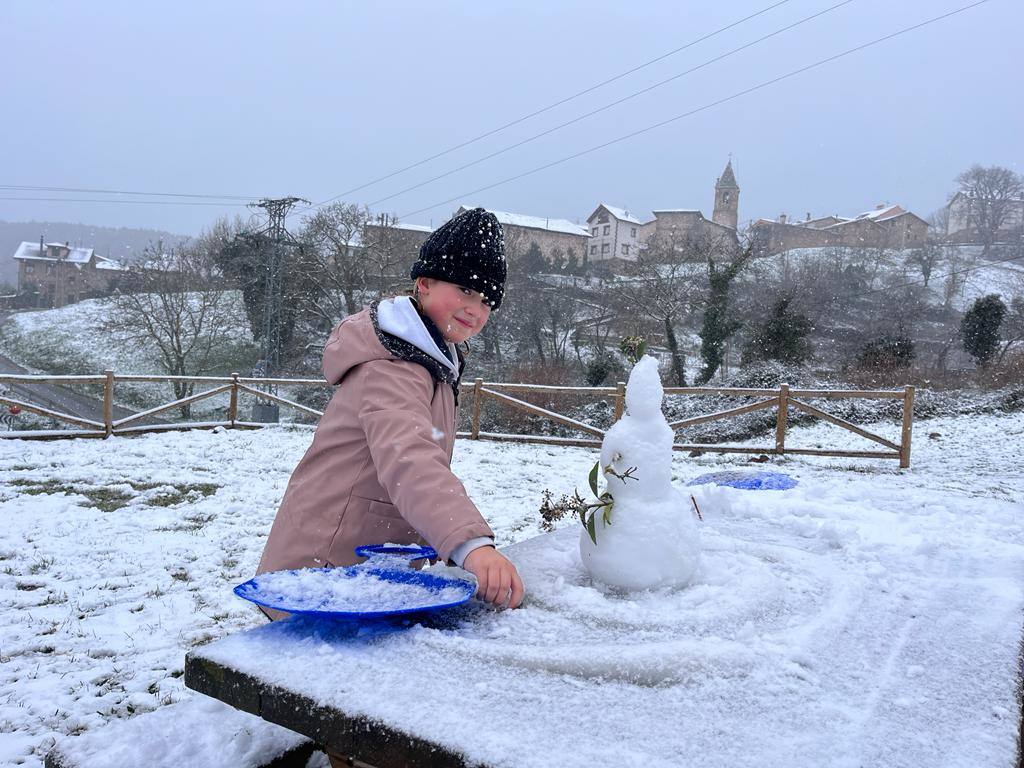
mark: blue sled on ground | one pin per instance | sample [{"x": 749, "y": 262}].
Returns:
[{"x": 748, "y": 481}]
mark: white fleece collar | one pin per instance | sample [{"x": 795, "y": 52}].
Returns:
[{"x": 399, "y": 317}]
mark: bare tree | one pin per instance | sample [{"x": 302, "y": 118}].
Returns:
[
  {"x": 938, "y": 224},
  {"x": 960, "y": 263},
  {"x": 332, "y": 264},
  {"x": 661, "y": 286},
  {"x": 542, "y": 318},
  {"x": 925, "y": 258},
  {"x": 388, "y": 252},
  {"x": 1013, "y": 325},
  {"x": 991, "y": 194},
  {"x": 176, "y": 302}
]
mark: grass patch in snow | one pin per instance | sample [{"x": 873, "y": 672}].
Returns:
[
  {"x": 111, "y": 499},
  {"x": 182, "y": 492}
]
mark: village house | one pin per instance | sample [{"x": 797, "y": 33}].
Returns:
[
  {"x": 558, "y": 239},
  {"x": 887, "y": 226},
  {"x": 57, "y": 274},
  {"x": 617, "y": 234},
  {"x": 614, "y": 232},
  {"x": 960, "y": 226}
]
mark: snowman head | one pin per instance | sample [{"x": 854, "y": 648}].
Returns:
[{"x": 643, "y": 390}]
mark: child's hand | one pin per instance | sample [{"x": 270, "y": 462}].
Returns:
[{"x": 497, "y": 579}]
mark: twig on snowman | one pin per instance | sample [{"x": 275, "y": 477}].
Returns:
[{"x": 587, "y": 511}]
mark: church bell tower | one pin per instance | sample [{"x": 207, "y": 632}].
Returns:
[{"x": 727, "y": 198}]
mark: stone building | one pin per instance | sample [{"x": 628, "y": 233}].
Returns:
[
  {"x": 960, "y": 227},
  {"x": 887, "y": 226},
  {"x": 391, "y": 247},
  {"x": 556, "y": 238},
  {"x": 56, "y": 274},
  {"x": 614, "y": 232},
  {"x": 727, "y": 199},
  {"x": 617, "y": 234}
]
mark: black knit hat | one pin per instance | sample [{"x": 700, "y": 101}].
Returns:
[{"x": 469, "y": 250}]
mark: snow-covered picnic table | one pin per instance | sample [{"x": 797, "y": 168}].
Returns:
[{"x": 798, "y": 645}]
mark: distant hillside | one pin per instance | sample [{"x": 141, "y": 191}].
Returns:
[{"x": 116, "y": 242}]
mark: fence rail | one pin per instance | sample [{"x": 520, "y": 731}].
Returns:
[{"x": 782, "y": 399}]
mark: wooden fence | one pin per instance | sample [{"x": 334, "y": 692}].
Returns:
[{"x": 782, "y": 400}]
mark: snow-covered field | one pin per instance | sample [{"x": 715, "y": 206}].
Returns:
[
  {"x": 959, "y": 269},
  {"x": 77, "y": 339},
  {"x": 118, "y": 556}
]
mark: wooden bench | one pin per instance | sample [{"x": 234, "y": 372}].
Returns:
[{"x": 201, "y": 732}]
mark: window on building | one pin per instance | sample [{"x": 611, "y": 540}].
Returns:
[
  {"x": 29, "y": 269},
  {"x": 632, "y": 232},
  {"x": 49, "y": 269},
  {"x": 607, "y": 229},
  {"x": 606, "y": 248},
  {"x": 594, "y": 231},
  {"x": 625, "y": 250},
  {"x": 593, "y": 250},
  {"x": 602, "y": 218}
]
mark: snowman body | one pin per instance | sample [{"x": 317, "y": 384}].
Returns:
[{"x": 652, "y": 540}]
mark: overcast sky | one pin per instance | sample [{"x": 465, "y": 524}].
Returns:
[{"x": 313, "y": 99}]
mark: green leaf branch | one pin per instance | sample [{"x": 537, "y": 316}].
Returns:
[{"x": 576, "y": 505}]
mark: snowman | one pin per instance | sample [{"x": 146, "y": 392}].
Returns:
[{"x": 651, "y": 539}]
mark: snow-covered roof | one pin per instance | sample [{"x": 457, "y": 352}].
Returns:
[
  {"x": 407, "y": 227},
  {"x": 102, "y": 262},
  {"x": 880, "y": 214},
  {"x": 414, "y": 227},
  {"x": 621, "y": 214},
  {"x": 849, "y": 222},
  {"x": 30, "y": 250},
  {"x": 534, "y": 222}
]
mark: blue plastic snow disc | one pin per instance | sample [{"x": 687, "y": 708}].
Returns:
[
  {"x": 356, "y": 592},
  {"x": 409, "y": 552},
  {"x": 749, "y": 481}
]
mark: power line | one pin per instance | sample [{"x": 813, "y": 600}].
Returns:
[
  {"x": 541, "y": 111},
  {"x": 616, "y": 102},
  {"x": 26, "y": 188},
  {"x": 707, "y": 106},
  {"x": 116, "y": 200}
]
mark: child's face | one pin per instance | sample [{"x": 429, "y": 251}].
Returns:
[{"x": 460, "y": 313}]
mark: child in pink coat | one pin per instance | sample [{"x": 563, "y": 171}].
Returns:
[{"x": 378, "y": 470}]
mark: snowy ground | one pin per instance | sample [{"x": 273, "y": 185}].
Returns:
[
  {"x": 118, "y": 556},
  {"x": 76, "y": 339}
]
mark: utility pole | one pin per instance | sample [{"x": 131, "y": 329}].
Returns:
[{"x": 275, "y": 241}]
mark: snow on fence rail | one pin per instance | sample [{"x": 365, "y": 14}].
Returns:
[{"x": 782, "y": 399}]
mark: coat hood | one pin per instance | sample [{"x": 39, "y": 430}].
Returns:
[{"x": 391, "y": 328}]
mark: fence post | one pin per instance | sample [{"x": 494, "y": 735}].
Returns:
[
  {"x": 474, "y": 433},
  {"x": 908, "y": 426},
  {"x": 233, "y": 405},
  {"x": 108, "y": 404},
  {"x": 620, "y": 400},
  {"x": 781, "y": 419}
]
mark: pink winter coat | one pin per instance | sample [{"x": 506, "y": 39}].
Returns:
[{"x": 378, "y": 470}]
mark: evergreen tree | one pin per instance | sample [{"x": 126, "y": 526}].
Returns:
[
  {"x": 241, "y": 260},
  {"x": 979, "y": 328},
  {"x": 719, "y": 322},
  {"x": 533, "y": 260},
  {"x": 783, "y": 336}
]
